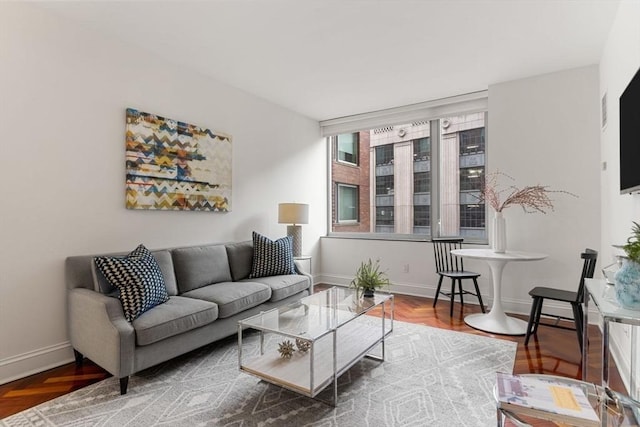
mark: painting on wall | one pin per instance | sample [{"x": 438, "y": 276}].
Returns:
[{"x": 173, "y": 165}]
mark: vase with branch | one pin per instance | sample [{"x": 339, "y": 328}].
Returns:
[{"x": 531, "y": 198}]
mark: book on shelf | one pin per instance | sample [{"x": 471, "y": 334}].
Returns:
[{"x": 545, "y": 399}]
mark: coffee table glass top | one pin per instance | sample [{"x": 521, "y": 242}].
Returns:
[{"x": 315, "y": 315}]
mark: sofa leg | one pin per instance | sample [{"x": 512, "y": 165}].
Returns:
[
  {"x": 79, "y": 357},
  {"x": 124, "y": 382}
]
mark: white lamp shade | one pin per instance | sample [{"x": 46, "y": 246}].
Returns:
[{"x": 293, "y": 213}]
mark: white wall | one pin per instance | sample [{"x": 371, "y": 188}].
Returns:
[
  {"x": 542, "y": 130},
  {"x": 63, "y": 94},
  {"x": 620, "y": 61}
]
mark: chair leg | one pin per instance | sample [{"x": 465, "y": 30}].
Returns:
[
  {"x": 532, "y": 320},
  {"x": 460, "y": 292},
  {"x": 453, "y": 296},
  {"x": 475, "y": 283},
  {"x": 435, "y": 300},
  {"x": 538, "y": 315},
  {"x": 577, "y": 318}
]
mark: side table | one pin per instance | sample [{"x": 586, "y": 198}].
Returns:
[{"x": 603, "y": 297}]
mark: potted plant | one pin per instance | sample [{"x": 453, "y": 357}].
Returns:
[
  {"x": 627, "y": 279},
  {"x": 369, "y": 278}
]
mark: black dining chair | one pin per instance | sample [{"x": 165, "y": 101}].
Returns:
[
  {"x": 449, "y": 265},
  {"x": 575, "y": 298}
]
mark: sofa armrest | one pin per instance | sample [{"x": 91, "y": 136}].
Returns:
[
  {"x": 99, "y": 330},
  {"x": 300, "y": 269}
]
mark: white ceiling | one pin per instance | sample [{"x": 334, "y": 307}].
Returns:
[{"x": 331, "y": 58}]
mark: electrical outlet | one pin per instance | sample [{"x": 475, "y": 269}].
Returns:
[{"x": 405, "y": 268}]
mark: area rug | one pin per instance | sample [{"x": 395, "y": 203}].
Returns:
[{"x": 431, "y": 377}]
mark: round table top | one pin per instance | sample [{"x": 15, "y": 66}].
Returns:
[{"x": 489, "y": 254}]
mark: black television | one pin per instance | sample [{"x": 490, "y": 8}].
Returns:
[{"x": 630, "y": 137}]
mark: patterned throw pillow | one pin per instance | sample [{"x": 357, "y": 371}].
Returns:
[
  {"x": 138, "y": 279},
  {"x": 272, "y": 257}
]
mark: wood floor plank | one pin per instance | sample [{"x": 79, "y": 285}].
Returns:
[{"x": 553, "y": 351}]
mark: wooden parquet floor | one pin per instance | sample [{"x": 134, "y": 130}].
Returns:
[{"x": 554, "y": 351}]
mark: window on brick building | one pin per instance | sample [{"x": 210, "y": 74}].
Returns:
[
  {"x": 347, "y": 203},
  {"x": 347, "y": 148}
]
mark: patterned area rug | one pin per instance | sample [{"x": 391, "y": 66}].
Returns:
[{"x": 431, "y": 377}]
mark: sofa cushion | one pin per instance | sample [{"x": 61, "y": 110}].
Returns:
[
  {"x": 272, "y": 257},
  {"x": 200, "y": 266},
  {"x": 138, "y": 278},
  {"x": 284, "y": 286},
  {"x": 174, "y": 317},
  {"x": 232, "y": 297},
  {"x": 165, "y": 262},
  {"x": 163, "y": 258},
  {"x": 240, "y": 259}
]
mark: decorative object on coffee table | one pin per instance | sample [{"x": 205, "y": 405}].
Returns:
[
  {"x": 294, "y": 214},
  {"x": 303, "y": 345},
  {"x": 369, "y": 278},
  {"x": 627, "y": 278},
  {"x": 286, "y": 350}
]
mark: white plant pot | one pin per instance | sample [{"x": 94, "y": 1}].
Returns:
[{"x": 499, "y": 240}]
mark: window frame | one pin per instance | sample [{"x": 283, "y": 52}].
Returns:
[
  {"x": 340, "y": 221},
  {"x": 433, "y": 111},
  {"x": 356, "y": 149}
]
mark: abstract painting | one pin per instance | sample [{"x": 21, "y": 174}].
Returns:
[{"x": 173, "y": 165}]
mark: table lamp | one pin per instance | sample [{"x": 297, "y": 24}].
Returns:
[{"x": 294, "y": 214}]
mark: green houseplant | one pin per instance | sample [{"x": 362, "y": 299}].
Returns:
[
  {"x": 368, "y": 278},
  {"x": 627, "y": 279}
]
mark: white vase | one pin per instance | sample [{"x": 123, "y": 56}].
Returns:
[{"x": 499, "y": 241}]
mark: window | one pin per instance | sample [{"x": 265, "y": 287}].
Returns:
[
  {"x": 421, "y": 182},
  {"x": 384, "y": 185},
  {"x": 384, "y": 155},
  {"x": 472, "y": 141},
  {"x": 471, "y": 178},
  {"x": 348, "y": 148},
  {"x": 421, "y": 216},
  {"x": 414, "y": 179},
  {"x": 384, "y": 215},
  {"x": 347, "y": 203},
  {"x": 472, "y": 216},
  {"x": 421, "y": 149}
]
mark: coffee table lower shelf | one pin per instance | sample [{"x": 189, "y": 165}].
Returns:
[{"x": 354, "y": 341}]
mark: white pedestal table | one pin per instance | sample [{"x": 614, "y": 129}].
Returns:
[{"x": 496, "y": 320}]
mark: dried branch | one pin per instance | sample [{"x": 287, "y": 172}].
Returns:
[{"x": 532, "y": 198}]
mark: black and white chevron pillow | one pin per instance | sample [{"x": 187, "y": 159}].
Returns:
[
  {"x": 138, "y": 278},
  {"x": 272, "y": 257}
]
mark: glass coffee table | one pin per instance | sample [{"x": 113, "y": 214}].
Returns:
[{"x": 305, "y": 346}]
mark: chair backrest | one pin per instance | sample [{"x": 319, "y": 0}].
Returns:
[
  {"x": 445, "y": 260},
  {"x": 588, "y": 268}
]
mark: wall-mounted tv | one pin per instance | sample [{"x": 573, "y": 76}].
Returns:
[{"x": 630, "y": 137}]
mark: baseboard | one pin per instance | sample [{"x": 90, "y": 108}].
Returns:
[{"x": 33, "y": 362}]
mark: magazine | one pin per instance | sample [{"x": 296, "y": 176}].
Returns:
[{"x": 545, "y": 399}]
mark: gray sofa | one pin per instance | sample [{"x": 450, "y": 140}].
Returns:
[{"x": 209, "y": 291}]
